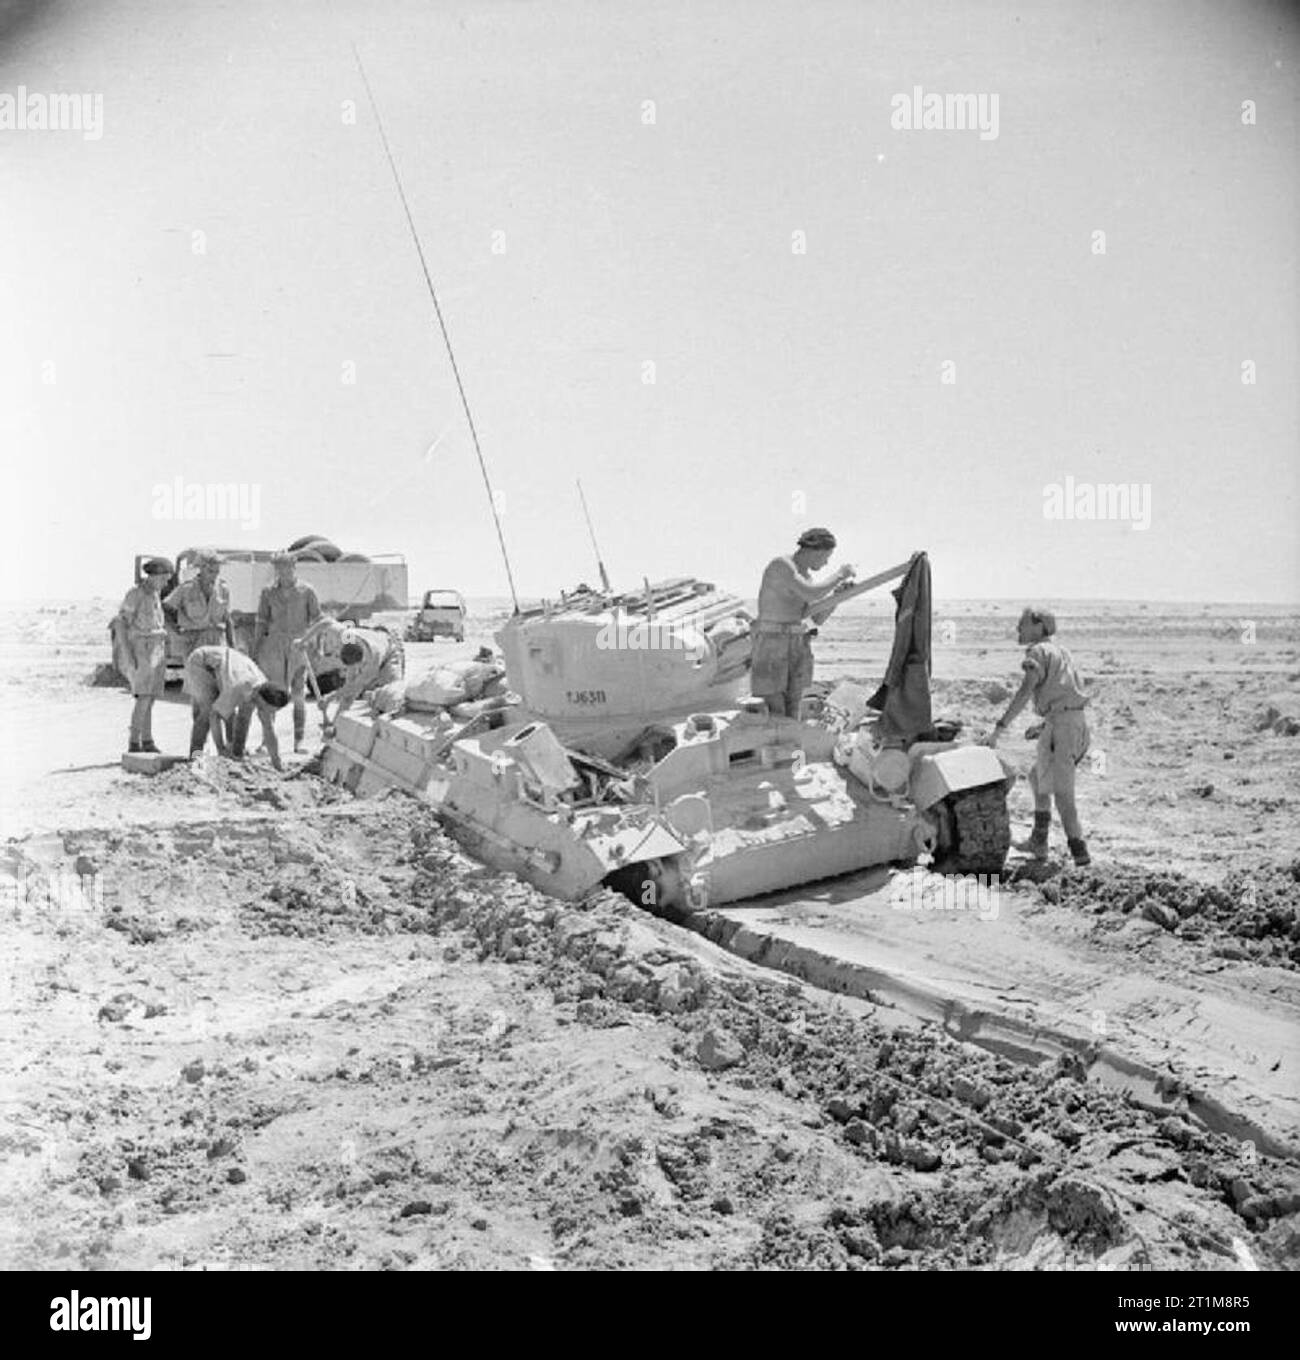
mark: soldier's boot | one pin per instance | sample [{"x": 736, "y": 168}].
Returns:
[
  {"x": 1036, "y": 843},
  {"x": 1079, "y": 851},
  {"x": 299, "y": 724}
]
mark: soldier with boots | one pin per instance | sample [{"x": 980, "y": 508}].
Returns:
[
  {"x": 1052, "y": 681},
  {"x": 139, "y": 635},
  {"x": 285, "y": 612}
]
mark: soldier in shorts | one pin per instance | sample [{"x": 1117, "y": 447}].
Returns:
[
  {"x": 226, "y": 689},
  {"x": 1052, "y": 681},
  {"x": 782, "y": 659},
  {"x": 140, "y": 649}
]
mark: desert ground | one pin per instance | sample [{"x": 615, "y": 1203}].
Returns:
[{"x": 251, "y": 1022}]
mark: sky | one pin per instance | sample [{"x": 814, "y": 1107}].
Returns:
[{"x": 684, "y": 255}]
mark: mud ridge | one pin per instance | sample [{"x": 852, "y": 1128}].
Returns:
[
  {"x": 1029, "y": 1043},
  {"x": 1046, "y": 1148}
]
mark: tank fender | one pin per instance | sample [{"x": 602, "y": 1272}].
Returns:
[{"x": 937, "y": 774}]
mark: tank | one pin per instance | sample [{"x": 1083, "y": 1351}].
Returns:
[{"x": 626, "y": 753}]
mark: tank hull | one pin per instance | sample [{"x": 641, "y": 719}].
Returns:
[{"x": 738, "y": 807}]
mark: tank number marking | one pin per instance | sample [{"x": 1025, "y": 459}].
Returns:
[{"x": 585, "y": 696}]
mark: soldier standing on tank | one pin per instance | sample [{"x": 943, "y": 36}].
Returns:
[
  {"x": 782, "y": 659},
  {"x": 284, "y": 613}
]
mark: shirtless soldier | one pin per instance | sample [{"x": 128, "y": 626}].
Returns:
[{"x": 788, "y": 601}]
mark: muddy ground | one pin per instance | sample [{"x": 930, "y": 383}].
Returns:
[{"x": 249, "y": 1022}]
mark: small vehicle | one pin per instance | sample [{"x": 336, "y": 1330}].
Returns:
[{"x": 441, "y": 615}]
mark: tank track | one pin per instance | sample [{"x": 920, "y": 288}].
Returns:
[{"x": 981, "y": 822}]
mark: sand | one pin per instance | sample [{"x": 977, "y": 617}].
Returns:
[{"x": 250, "y": 1022}]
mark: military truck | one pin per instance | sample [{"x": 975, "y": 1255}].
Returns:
[{"x": 354, "y": 587}]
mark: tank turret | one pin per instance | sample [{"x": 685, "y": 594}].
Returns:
[{"x": 601, "y": 668}]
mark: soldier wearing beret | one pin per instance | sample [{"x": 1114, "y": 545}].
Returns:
[
  {"x": 140, "y": 648},
  {"x": 788, "y": 607}
]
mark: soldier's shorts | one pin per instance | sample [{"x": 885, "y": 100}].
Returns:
[
  {"x": 781, "y": 669},
  {"x": 1062, "y": 744},
  {"x": 148, "y": 668}
]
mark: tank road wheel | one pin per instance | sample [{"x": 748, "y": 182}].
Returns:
[{"x": 975, "y": 831}]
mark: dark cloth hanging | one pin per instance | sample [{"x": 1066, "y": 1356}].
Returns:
[{"x": 903, "y": 698}]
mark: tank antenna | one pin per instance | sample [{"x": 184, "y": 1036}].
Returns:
[
  {"x": 433, "y": 293},
  {"x": 604, "y": 575}
]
